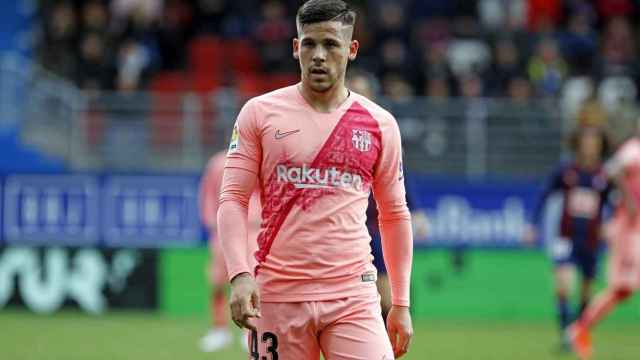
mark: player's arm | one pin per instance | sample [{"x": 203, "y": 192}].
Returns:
[
  {"x": 396, "y": 233},
  {"x": 615, "y": 169},
  {"x": 552, "y": 184},
  {"x": 209, "y": 191},
  {"x": 238, "y": 183}
]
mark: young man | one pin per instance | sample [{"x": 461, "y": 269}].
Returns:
[
  {"x": 317, "y": 150},
  {"x": 219, "y": 336},
  {"x": 585, "y": 189},
  {"x": 623, "y": 235}
]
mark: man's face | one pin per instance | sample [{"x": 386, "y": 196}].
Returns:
[
  {"x": 590, "y": 144},
  {"x": 323, "y": 50}
]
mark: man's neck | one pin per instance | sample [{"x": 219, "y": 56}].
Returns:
[{"x": 327, "y": 101}]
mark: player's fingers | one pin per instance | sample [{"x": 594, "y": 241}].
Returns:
[
  {"x": 255, "y": 300},
  {"x": 246, "y": 313},
  {"x": 404, "y": 341},
  {"x": 248, "y": 324},
  {"x": 393, "y": 336},
  {"x": 236, "y": 314},
  {"x": 240, "y": 313}
]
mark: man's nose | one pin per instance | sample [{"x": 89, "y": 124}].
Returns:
[{"x": 319, "y": 54}]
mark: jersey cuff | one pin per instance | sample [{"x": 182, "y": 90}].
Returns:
[
  {"x": 236, "y": 272},
  {"x": 403, "y": 303}
]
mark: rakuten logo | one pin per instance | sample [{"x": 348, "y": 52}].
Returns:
[{"x": 308, "y": 177}]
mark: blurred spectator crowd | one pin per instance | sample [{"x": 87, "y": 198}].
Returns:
[{"x": 583, "y": 52}]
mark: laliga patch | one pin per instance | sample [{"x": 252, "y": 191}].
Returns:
[
  {"x": 369, "y": 277},
  {"x": 234, "y": 144}
]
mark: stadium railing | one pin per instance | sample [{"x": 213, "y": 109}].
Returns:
[{"x": 160, "y": 131}]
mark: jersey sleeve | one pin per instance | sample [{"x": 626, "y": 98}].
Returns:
[
  {"x": 238, "y": 183},
  {"x": 245, "y": 150},
  {"x": 393, "y": 214},
  {"x": 233, "y": 228}
]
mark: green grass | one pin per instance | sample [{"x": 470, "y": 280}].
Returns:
[{"x": 139, "y": 336}]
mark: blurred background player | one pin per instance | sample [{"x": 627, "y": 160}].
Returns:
[
  {"x": 623, "y": 235},
  {"x": 220, "y": 336},
  {"x": 585, "y": 189},
  {"x": 367, "y": 85}
]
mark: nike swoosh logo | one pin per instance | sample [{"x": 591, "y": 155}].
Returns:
[{"x": 280, "y": 135}]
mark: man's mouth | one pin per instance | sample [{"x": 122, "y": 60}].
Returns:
[{"x": 318, "y": 71}]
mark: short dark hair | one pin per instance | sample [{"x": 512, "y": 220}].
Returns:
[{"x": 315, "y": 11}]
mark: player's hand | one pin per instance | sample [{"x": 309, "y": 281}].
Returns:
[
  {"x": 400, "y": 329},
  {"x": 530, "y": 235},
  {"x": 244, "y": 301}
]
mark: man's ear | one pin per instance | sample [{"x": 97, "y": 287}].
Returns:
[
  {"x": 296, "y": 48},
  {"x": 353, "y": 49}
]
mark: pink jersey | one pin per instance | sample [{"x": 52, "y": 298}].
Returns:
[
  {"x": 624, "y": 231},
  {"x": 627, "y": 162},
  {"x": 316, "y": 171}
]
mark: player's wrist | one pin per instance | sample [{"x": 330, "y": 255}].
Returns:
[
  {"x": 240, "y": 277},
  {"x": 400, "y": 307}
]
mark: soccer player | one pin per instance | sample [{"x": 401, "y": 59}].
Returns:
[
  {"x": 316, "y": 151},
  {"x": 585, "y": 188},
  {"x": 623, "y": 235},
  {"x": 219, "y": 336}
]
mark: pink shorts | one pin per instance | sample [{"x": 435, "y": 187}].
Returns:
[
  {"x": 344, "y": 329},
  {"x": 624, "y": 265},
  {"x": 217, "y": 268}
]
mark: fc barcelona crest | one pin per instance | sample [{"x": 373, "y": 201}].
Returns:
[{"x": 361, "y": 139}]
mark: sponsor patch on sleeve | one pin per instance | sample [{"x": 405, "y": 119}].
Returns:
[{"x": 234, "y": 144}]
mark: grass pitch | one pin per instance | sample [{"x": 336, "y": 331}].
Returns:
[{"x": 139, "y": 336}]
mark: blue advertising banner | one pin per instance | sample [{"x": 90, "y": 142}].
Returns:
[
  {"x": 473, "y": 213},
  {"x": 113, "y": 211},
  {"x": 157, "y": 211},
  {"x": 148, "y": 211},
  {"x": 51, "y": 209}
]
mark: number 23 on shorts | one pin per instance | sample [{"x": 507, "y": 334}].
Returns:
[{"x": 272, "y": 346}]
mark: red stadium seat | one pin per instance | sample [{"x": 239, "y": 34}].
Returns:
[
  {"x": 276, "y": 81},
  {"x": 242, "y": 56},
  {"x": 203, "y": 83},
  {"x": 250, "y": 85},
  {"x": 206, "y": 55}
]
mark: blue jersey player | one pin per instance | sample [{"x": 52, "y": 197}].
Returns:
[{"x": 585, "y": 189}]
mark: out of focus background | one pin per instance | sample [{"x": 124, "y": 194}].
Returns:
[{"x": 109, "y": 111}]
